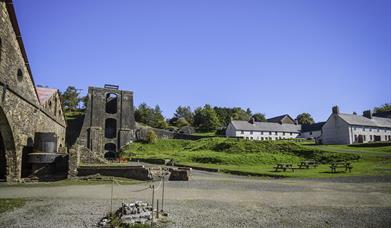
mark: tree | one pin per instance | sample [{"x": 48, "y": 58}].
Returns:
[
  {"x": 205, "y": 119},
  {"x": 184, "y": 112},
  {"x": 383, "y": 108},
  {"x": 70, "y": 98},
  {"x": 305, "y": 118},
  {"x": 259, "y": 117},
  {"x": 150, "y": 116},
  {"x": 225, "y": 114}
]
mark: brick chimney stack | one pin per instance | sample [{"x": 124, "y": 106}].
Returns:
[
  {"x": 335, "y": 109},
  {"x": 252, "y": 120}
]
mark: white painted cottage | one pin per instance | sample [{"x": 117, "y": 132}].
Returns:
[
  {"x": 262, "y": 130},
  {"x": 311, "y": 131},
  {"x": 343, "y": 128}
]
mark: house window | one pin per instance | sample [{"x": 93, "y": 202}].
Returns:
[
  {"x": 283, "y": 133},
  {"x": 242, "y": 132},
  {"x": 370, "y": 137},
  {"x": 365, "y": 138},
  {"x": 261, "y": 138},
  {"x": 251, "y": 132},
  {"x": 261, "y": 132},
  {"x": 378, "y": 130},
  {"x": 355, "y": 138},
  {"x": 111, "y": 103},
  {"x": 251, "y": 138},
  {"x": 275, "y": 132},
  {"x": 363, "y": 129},
  {"x": 270, "y": 133},
  {"x": 291, "y": 133}
]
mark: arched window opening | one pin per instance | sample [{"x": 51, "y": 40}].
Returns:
[
  {"x": 20, "y": 75},
  {"x": 110, "y": 147},
  {"x": 111, "y": 103},
  {"x": 110, "y": 128}
]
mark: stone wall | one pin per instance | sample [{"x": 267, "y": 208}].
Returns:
[
  {"x": 133, "y": 172},
  {"x": 21, "y": 114}
]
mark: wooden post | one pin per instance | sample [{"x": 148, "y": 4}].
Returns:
[
  {"x": 153, "y": 198},
  {"x": 112, "y": 188},
  {"x": 163, "y": 194},
  {"x": 157, "y": 209}
]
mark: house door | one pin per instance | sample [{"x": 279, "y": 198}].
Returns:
[
  {"x": 360, "y": 139},
  {"x": 377, "y": 138}
]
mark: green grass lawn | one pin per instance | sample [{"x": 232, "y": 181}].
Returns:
[
  {"x": 259, "y": 157},
  {"x": 10, "y": 204}
]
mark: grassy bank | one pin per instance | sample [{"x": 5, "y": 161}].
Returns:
[
  {"x": 259, "y": 157},
  {"x": 10, "y": 204}
]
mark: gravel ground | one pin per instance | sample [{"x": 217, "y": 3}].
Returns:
[{"x": 216, "y": 200}]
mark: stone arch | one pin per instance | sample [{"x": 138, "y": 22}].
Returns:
[
  {"x": 110, "y": 128},
  {"x": 7, "y": 149},
  {"x": 111, "y": 103}
]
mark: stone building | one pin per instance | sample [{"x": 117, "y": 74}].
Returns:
[
  {"x": 341, "y": 128},
  {"x": 23, "y": 113},
  {"x": 253, "y": 130},
  {"x": 109, "y": 120}
]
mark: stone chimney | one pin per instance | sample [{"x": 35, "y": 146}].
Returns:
[
  {"x": 367, "y": 114},
  {"x": 252, "y": 121},
  {"x": 335, "y": 109}
]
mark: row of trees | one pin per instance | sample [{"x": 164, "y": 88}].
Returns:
[{"x": 206, "y": 118}]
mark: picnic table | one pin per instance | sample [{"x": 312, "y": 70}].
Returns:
[
  {"x": 342, "y": 164},
  {"x": 284, "y": 167},
  {"x": 307, "y": 164}
]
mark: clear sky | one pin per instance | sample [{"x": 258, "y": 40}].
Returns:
[{"x": 273, "y": 56}]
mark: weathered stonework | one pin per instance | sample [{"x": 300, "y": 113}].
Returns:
[
  {"x": 109, "y": 121},
  {"x": 21, "y": 113}
]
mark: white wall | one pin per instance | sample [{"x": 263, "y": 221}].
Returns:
[
  {"x": 315, "y": 134},
  {"x": 335, "y": 131},
  {"x": 261, "y": 135},
  {"x": 369, "y": 133}
]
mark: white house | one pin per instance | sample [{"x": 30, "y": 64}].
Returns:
[
  {"x": 262, "y": 130},
  {"x": 343, "y": 128}
]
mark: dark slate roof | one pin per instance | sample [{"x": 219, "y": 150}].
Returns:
[
  {"x": 386, "y": 114},
  {"x": 312, "y": 127},
  {"x": 277, "y": 119},
  {"x": 364, "y": 121},
  {"x": 265, "y": 126}
]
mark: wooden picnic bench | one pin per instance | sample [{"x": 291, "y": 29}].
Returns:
[
  {"x": 344, "y": 165},
  {"x": 307, "y": 164},
  {"x": 284, "y": 167}
]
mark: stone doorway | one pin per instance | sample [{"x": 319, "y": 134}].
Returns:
[{"x": 7, "y": 150}]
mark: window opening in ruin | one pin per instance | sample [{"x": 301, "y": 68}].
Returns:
[
  {"x": 110, "y": 149},
  {"x": 110, "y": 128},
  {"x": 111, "y": 103},
  {"x": 20, "y": 75}
]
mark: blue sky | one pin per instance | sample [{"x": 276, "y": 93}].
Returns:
[{"x": 275, "y": 57}]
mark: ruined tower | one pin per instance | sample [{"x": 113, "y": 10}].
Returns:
[{"x": 109, "y": 120}]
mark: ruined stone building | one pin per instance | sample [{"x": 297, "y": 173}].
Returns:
[
  {"x": 27, "y": 113},
  {"x": 109, "y": 120}
]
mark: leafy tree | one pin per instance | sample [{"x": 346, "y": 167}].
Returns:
[
  {"x": 225, "y": 114},
  {"x": 259, "y": 117},
  {"x": 383, "y": 108},
  {"x": 205, "y": 119},
  {"x": 305, "y": 118},
  {"x": 150, "y": 116},
  {"x": 70, "y": 98},
  {"x": 179, "y": 122},
  {"x": 184, "y": 112}
]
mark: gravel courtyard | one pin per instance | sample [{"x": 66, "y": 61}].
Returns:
[{"x": 216, "y": 200}]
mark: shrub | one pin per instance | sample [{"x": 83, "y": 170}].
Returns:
[{"x": 151, "y": 137}]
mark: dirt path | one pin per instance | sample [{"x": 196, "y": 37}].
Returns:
[{"x": 216, "y": 200}]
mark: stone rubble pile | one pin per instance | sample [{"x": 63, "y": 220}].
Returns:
[
  {"x": 129, "y": 214},
  {"x": 137, "y": 212}
]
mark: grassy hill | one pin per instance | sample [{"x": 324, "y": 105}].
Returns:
[{"x": 259, "y": 157}]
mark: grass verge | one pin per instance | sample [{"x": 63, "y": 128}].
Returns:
[{"x": 10, "y": 204}]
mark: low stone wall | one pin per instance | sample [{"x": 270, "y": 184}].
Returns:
[{"x": 132, "y": 172}]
